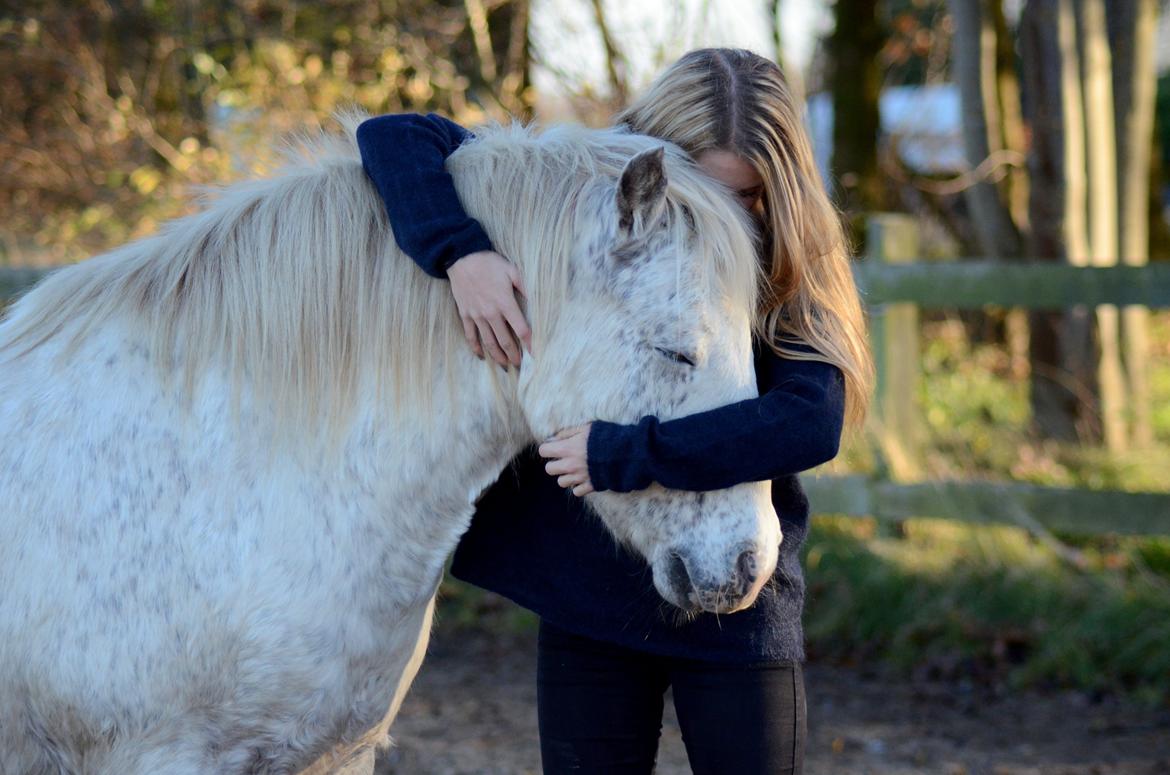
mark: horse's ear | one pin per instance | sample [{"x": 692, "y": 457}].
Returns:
[{"x": 641, "y": 191}]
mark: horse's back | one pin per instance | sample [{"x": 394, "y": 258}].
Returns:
[
  {"x": 164, "y": 571},
  {"x": 84, "y": 453}
]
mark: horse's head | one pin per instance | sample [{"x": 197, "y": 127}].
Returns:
[{"x": 657, "y": 322}]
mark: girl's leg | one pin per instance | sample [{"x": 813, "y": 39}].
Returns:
[
  {"x": 599, "y": 705},
  {"x": 746, "y": 719}
]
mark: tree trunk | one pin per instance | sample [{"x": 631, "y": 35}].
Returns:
[
  {"x": 1053, "y": 396},
  {"x": 615, "y": 60},
  {"x": 975, "y": 68},
  {"x": 853, "y": 48},
  {"x": 500, "y": 69},
  {"x": 1079, "y": 354},
  {"x": 1101, "y": 191},
  {"x": 1131, "y": 34},
  {"x": 1014, "y": 189}
]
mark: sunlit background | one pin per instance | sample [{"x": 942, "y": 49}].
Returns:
[{"x": 989, "y": 565}]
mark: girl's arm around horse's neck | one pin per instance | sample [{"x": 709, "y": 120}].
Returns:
[
  {"x": 795, "y": 425},
  {"x": 404, "y": 156}
]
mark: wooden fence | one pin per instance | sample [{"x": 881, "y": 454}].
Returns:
[{"x": 895, "y": 286}]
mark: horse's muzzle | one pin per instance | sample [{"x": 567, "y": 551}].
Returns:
[{"x": 694, "y": 588}]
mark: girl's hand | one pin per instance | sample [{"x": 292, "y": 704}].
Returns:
[
  {"x": 484, "y": 285},
  {"x": 566, "y": 453}
]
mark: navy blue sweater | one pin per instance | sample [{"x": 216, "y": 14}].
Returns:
[{"x": 534, "y": 542}]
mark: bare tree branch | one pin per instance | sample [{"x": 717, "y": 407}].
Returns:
[
  {"x": 975, "y": 60},
  {"x": 615, "y": 61},
  {"x": 477, "y": 20}
]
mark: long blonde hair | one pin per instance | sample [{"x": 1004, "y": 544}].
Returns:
[{"x": 734, "y": 100}]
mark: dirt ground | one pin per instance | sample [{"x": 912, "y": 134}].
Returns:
[{"x": 473, "y": 711}]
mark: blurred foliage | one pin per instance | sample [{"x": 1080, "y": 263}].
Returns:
[
  {"x": 991, "y": 605},
  {"x": 463, "y": 606},
  {"x": 973, "y": 397},
  {"x": 975, "y": 401},
  {"x": 917, "y": 48},
  {"x": 110, "y": 110}
]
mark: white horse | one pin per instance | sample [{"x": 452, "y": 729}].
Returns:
[{"x": 234, "y": 456}]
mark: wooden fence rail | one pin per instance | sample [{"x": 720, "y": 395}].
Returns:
[
  {"x": 979, "y": 283},
  {"x": 895, "y": 285},
  {"x": 1088, "y": 512}
]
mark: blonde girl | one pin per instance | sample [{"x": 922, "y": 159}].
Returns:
[{"x": 608, "y": 647}]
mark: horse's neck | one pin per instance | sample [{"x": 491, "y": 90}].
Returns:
[
  {"x": 477, "y": 422},
  {"x": 433, "y": 463}
]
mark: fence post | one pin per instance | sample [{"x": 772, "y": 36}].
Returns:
[{"x": 892, "y": 238}]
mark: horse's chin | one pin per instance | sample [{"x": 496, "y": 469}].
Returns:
[
  {"x": 685, "y": 608},
  {"x": 684, "y": 611},
  {"x": 691, "y": 602},
  {"x": 691, "y": 607}
]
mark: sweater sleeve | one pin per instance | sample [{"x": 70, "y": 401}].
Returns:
[
  {"x": 404, "y": 156},
  {"x": 795, "y": 425}
]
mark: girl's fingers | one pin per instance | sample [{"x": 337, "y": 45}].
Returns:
[
  {"x": 488, "y": 337},
  {"x": 512, "y": 311},
  {"x": 583, "y": 489},
  {"x": 569, "y": 480},
  {"x": 517, "y": 323},
  {"x": 506, "y": 340},
  {"x": 560, "y": 466},
  {"x": 553, "y": 449},
  {"x": 472, "y": 336}
]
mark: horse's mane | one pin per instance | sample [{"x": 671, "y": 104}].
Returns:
[{"x": 294, "y": 283}]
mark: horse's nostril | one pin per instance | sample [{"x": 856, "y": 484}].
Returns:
[
  {"x": 748, "y": 567},
  {"x": 676, "y": 571}
]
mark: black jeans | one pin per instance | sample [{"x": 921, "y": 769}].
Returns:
[{"x": 600, "y": 710}]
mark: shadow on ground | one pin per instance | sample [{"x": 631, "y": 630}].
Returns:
[{"x": 473, "y": 710}]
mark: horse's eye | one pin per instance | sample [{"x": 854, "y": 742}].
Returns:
[{"x": 676, "y": 356}]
